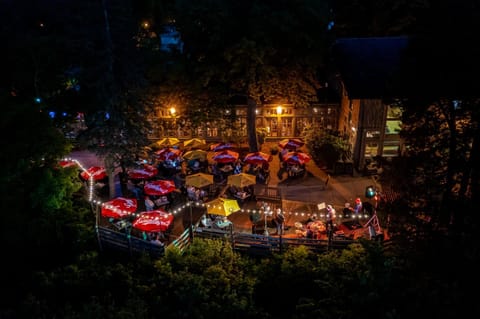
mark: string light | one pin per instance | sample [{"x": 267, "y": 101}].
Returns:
[{"x": 197, "y": 204}]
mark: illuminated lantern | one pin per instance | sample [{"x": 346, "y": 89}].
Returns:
[{"x": 370, "y": 191}]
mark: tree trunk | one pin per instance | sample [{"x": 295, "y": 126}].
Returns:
[
  {"x": 252, "y": 126},
  {"x": 110, "y": 168}
]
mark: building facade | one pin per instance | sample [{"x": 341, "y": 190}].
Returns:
[
  {"x": 277, "y": 121},
  {"x": 368, "y": 115}
]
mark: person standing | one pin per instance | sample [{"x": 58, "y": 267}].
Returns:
[
  {"x": 279, "y": 220},
  {"x": 330, "y": 217},
  {"x": 358, "y": 207},
  {"x": 255, "y": 218}
]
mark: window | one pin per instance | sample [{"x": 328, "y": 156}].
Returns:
[{"x": 393, "y": 122}]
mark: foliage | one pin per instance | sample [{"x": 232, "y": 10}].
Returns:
[
  {"x": 256, "y": 60},
  {"x": 376, "y": 18},
  {"x": 326, "y": 147}
]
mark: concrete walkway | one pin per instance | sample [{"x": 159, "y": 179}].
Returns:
[{"x": 300, "y": 195}]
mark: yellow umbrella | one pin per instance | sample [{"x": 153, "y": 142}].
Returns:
[
  {"x": 241, "y": 180},
  {"x": 199, "y": 180},
  {"x": 195, "y": 143},
  {"x": 222, "y": 206},
  {"x": 165, "y": 142},
  {"x": 195, "y": 154}
]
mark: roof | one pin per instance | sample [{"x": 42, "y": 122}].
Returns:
[{"x": 367, "y": 65}]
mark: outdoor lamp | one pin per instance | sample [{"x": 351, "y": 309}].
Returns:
[
  {"x": 173, "y": 111},
  {"x": 279, "y": 110},
  {"x": 370, "y": 191}
]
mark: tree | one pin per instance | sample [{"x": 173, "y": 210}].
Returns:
[
  {"x": 274, "y": 57},
  {"x": 441, "y": 111},
  {"x": 374, "y": 18},
  {"x": 327, "y": 147}
]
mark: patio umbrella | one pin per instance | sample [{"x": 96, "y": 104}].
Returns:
[
  {"x": 226, "y": 156},
  {"x": 157, "y": 220},
  {"x": 257, "y": 158},
  {"x": 147, "y": 172},
  {"x": 168, "y": 153},
  {"x": 296, "y": 158},
  {"x": 195, "y": 155},
  {"x": 67, "y": 163},
  {"x": 159, "y": 188},
  {"x": 241, "y": 180},
  {"x": 119, "y": 207},
  {"x": 195, "y": 143},
  {"x": 98, "y": 173},
  {"x": 291, "y": 143},
  {"x": 222, "y": 206},
  {"x": 222, "y": 146},
  {"x": 199, "y": 180},
  {"x": 166, "y": 142}
]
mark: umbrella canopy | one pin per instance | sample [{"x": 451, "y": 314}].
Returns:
[
  {"x": 195, "y": 155},
  {"x": 222, "y": 206},
  {"x": 241, "y": 180},
  {"x": 147, "y": 172},
  {"x": 199, "y": 180},
  {"x": 159, "y": 188},
  {"x": 291, "y": 143},
  {"x": 296, "y": 158},
  {"x": 257, "y": 158},
  {"x": 119, "y": 207},
  {"x": 98, "y": 173},
  {"x": 67, "y": 163},
  {"x": 168, "y": 153},
  {"x": 225, "y": 156},
  {"x": 194, "y": 143},
  {"x": 153, "y": 221},
  {"x": 222, "y": 146},
  {"x": 166, "y": 142}
]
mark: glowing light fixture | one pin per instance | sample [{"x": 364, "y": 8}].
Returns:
[{"x": 279, "y": 110}]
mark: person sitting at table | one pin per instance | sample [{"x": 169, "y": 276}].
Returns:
[
  {"x": 157, "y": 241},
  {"x": 149, "y": 204},
  {"x": 206, "y": 222},
  {"x": 195, "y": 167},
  {"x": 238, "y": 168},
  {"x": 309, "y": 233},
  {"x": 222, "y": 222},
  {"x": 192, "y": 193},
  {"x": 233, "y": 190},
  {"x": 201, "y": 194}
]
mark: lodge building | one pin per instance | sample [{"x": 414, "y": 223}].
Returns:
[{"x": 354, "y": 104}]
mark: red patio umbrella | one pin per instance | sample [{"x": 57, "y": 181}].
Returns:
[
  {"x": 168, "y": 153},
  {"x": 153, "y": 221},
  {"x": 119, "y": 207},
  {"x": 147, "y": 172},
  {"x": 226, "y": 156},
  {"x": 222, "y": 146},
  {"x": 296, "y": 158},
  {"x": 159, "y": 188},
  {"x": 67, "y": 163},
  {"x": 97, "y": 172},
  {"x": 257, "y": 158},
  {"x": 291, "y": 143}
]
